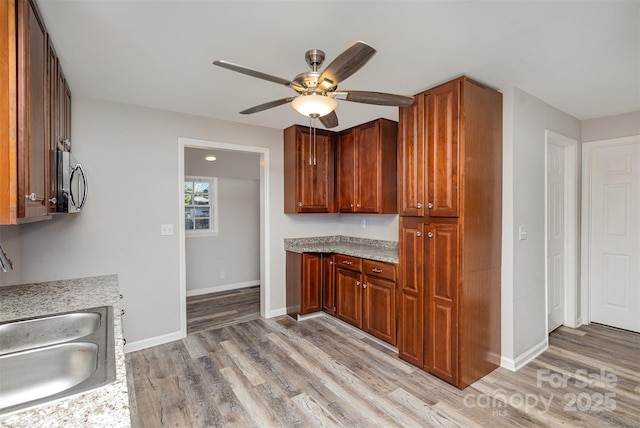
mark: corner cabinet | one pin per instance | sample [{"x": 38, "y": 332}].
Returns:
[
  {"x": 308, "y": 170},
  {"x": 27, "y": 115},
  {"x": 366, "y": 158},
  {"x": 450, "y": 199}
]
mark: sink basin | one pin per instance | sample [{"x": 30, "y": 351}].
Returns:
[
  {"x": 34, "y": 333},
  {"x": 55, "y": 356},
  {"x": 38, "y": 373}
]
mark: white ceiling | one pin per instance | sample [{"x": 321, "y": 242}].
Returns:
[{"x": 582, "y": 57}]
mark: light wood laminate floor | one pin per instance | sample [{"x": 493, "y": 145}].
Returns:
[
  {"x": 222, "y": 309},
  {"x": 319, "y": 372}
]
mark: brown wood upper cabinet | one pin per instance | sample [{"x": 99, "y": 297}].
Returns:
[
  {"x": 366, "y": 168},
  {"x": 308, "y": 170},
  {"x": 27, "y": 115},
  {"x": 429, "y": 153}
]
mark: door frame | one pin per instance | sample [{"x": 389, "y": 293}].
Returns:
[
  {"x": 265, "y": 235},
  {"x": 571, "y": 224},
  {"x": 585, "y": 280}
]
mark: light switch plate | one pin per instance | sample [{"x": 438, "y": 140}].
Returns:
[{"x": 166, "y": 229}]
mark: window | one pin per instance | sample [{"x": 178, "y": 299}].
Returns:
[{"x": 201, "y": 206}]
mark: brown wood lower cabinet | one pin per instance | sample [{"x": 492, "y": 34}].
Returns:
[{"x": 358, "y": 291}]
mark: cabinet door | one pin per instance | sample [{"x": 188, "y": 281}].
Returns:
[
  {"x": 328, "y": 285},
  {"x": 412, "y": 159},
  {"x": 379, "y": 303},
  {"x": 349, "y": 296},
  {"x": 53, "y": 117},
  {"x": 411, "y": 291},
  {"x": 64, "y": 107},
  {"x": 315, "y": 171},
  {"x": 443, "y": 279},
  {"x": 346, "y": 177},
  {"x": 33, "y": 166},
  {"x": 443, "y": 136},
  {"x": 368, "y": 167},
  {"x": 311, "y": 283}
]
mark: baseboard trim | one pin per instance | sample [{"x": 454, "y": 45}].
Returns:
[
  {"x": 522, "y": 360},
  {"x": 152, "y": 341},
  {"x": 276, "y": 313},
  {"x": 224, "y": 287}
]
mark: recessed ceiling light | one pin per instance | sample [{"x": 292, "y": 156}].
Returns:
[{"x": 210, "y": 158}]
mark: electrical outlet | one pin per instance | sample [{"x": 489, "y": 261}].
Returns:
[{"x": 166, "y": 229}]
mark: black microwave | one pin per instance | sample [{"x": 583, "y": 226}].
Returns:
[{"x": 71, "y": 189}]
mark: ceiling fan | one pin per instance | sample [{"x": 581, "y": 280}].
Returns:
[{"x": 318, "y": 91}]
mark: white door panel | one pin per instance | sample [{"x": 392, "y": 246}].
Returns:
[
  {"x": 555, "y": 235},
  {"x": 614, "y": 232}
]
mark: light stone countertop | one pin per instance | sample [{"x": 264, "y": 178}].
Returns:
[
  {"x": 106, "y": 406},
  {"x": 385, "y": 251}
]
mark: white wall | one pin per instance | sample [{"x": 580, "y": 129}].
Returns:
[
  {"x": 523, "y": 282},
  {"x": 606, "y": 128},
  {"x": 235, "y": 250},
  {"x": 131, "y": 157}
]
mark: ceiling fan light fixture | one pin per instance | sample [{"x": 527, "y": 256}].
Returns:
[{"x": 314, "y": 105}]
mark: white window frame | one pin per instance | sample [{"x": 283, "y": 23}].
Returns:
[{"x": 213, "y": 207}]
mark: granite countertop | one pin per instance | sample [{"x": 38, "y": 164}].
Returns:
[
  {"x": 104, "y": 406},
  {"x": 385, "y": 251}
]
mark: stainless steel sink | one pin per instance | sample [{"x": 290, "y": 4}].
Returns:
[
  {"x": 49, "y": 330},
  {"x": 51, "y": 357}
]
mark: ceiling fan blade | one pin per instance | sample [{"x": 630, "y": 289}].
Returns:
[
  {"x": 345, "y": 64},
  {"x": 377, "y": 98},
  {"x": 268, "y": 105},
  {"x": 260, "y": 75},
  {"x": 329, "y": 120}
]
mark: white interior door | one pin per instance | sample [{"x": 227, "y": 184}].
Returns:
[
  {"x": 614, "y": 236},
  {"x": 555, "y": 235}
]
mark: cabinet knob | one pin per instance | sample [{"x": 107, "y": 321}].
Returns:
[
  {"x": 430, "y": 205},
  {"x": 418, "y": 234},
  {"x": 418, "y": 205},
  {"x": 364, "y": 285},
  {"x": 357, "y": 282},
  {"x": 299, "y": 204},
  {"x": 351, "y": 205},
  {"x": 33, "y": 197},
  {"x": 430, "y": 234},
  {"x": 357, "y": 205},
  {"x": 53, "y": 200}
]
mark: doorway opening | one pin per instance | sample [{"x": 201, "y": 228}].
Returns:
[
  {"x": 185, "y": 144},
  {"x": 561, "y": 230}
]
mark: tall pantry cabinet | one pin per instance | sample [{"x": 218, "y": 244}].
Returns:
[{"x": 450, "y": 206}]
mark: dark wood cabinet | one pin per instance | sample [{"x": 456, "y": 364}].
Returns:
[
  {"x": 366, "y": 158},
  {"x": 308, "y": 170},
  {"x": 328, "y": 284},
  {"x": 379, "y": 300},
  {"x": 348, "y": 284},
  {"x": 28, "y": 113},
  {"x": 412, "y": 255},
  {"x": 450, "y": 277},
  {"x": 303, "y": 283}
]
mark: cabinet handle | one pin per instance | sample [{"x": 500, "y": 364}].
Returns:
[
  {"x": 299, "y": 204},
  {"x": 430, "y": 234},
  {"x": 430, "y": 205},
  {"x": 357, "y": 205},
  {"x": 418, "y": 205},
  {"x": 377, "y": 270},
  {"x": 53, "y": 200},
  {"x": 364, "y": 285},
  {"x": 358, "y": 283},
  {"x": 121, "y": 311},
  {"x": 345, "y": 262},
  {"x": 32, "y": 197},
  {"x": 418, "y": 234},
  {"x": 351, "y": 205}
]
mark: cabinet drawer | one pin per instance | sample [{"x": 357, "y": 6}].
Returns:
[
  {"x": 379, "y": 269},
  {"x": 348, "y": 262}
]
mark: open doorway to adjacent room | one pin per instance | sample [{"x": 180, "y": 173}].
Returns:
[{"x": 222, "y": 212}]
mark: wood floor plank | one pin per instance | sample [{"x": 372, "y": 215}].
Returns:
[{"x": 320, "y": 372}]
